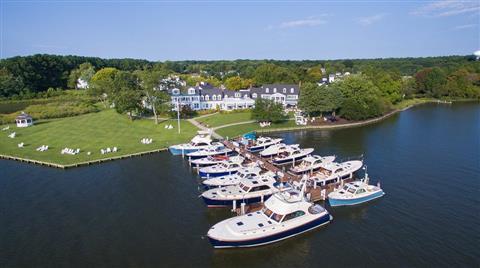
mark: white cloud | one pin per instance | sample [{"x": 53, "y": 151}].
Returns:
[
  {"x": 307, "y": 22},
  {"x": 365, "y": 21},
  {"x": 466, "y": 26},
  {"x": 302, "y": 23},
  {"x": 445, "y": 8}
]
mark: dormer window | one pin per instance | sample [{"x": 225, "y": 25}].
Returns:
[
  {"x": 191, "y": 91},
  {"x": 292, "y": 90},
  {"x": 284, "y": 90},
  {"x": 238, "y": 95},
  {"x": 214, "y": 97},
  {"x": 176, "y": 91},
  {"x": 267, "y": 90},
  {"x": 274, "y": 90},
  {"x": 219, "y": 97},
  {"x": 254, "y": 95},
  {"x": 206, "y": 97}
]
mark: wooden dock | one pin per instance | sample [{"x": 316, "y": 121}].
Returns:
[{"x": 315, "y": 194}]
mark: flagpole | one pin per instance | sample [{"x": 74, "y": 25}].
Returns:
[{"x": 178, "y": 116}]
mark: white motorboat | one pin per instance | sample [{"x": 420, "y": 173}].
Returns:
[
  {"x": 354, "y": 193},
  {"x": 310, "y": 164},
  {"x": 262, "y": 143},
  {"x": 291, "y": 156},
  {"x": 201, "y": 141},
  {"x": 248, "y": 172},
  {"x": 247, "y": 191},
  {"x": 285, "y": 214},
  {"x": 277, "y": 149},
  {"x": 209, "y": 151},
  {"x": 334, "y": 172},
  {"x": 223, "y": 169},
  {"x": 215, "y": 160}
]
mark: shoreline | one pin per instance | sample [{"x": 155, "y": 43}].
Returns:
[{"x": 287, "y": 129}]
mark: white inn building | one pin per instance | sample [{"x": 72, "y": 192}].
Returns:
[{"x": 205, "y": 96}]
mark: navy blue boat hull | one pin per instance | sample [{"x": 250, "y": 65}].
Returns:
[
  {"x": 215, "y": 174},
  {"x": 272, "y": 238}
]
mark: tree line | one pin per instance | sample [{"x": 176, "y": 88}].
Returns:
[{"x": 29, "y": 75}]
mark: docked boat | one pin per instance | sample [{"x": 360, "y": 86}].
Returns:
[
  {"x": 223, "y": 169},
  {"x": 247, "y": 191},
  {"x": 354, "y": 193},
  {"x": 261, "y": 144},
  {"x": 291, "y": 156},
  {"x": 284, "y": 215},
  {"x": 248, "y": 172},
  {"x": 276, "y": 149},
  {"x": 210, "y": 151},
  {"x": 201, "y": 141},
  {"x": 310, "y": 164},
  {"x": 215, "y": 160},
  {"x": 334, "y": 172}
]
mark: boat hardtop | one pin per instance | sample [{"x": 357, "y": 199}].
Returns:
[
  {"x": 248, "y": 172},
  {"x": 334, "y": 171},
  {"x": 202, "y": 140},
  {"x": 277, "y": 149},
  {"x": 262, "y": 143},
  {"x": 223, "y": 166},
  {"x": 312, "y": 163},
  {"x": 285, "y": 214},
  {"x": 292, "y": 155},
  {"x": 210, "y": 150},
  {"x": 217, "y": 159},
  {"x": 356, "y": 192}
]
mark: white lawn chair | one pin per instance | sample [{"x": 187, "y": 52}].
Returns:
[
  {"x": 109, "y": 150},
  {"x": 89, "y": 153},
  {"x": 114, "y": 149},
  {"x": 102, "y": 151},
  {"x": 20, "y": 145}
]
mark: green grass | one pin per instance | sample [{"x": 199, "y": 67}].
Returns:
[
  {"x": 405, "y": 103},
  {"x": 237, "y": 130},
  {"x": 220, "y": 119},
  {"x": 91, "y": 132}
]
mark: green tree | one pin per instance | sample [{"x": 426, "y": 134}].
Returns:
[
  {"x": 362, "y": 99},
  {"x": 103, "y": 83},
  {"x": 315, "y": 99},
  {"x": 10, "y": 85},
  {"x": 268, "y": 110},
  {"x": 153, "y": 97},
  {"x": 127, "y": 101},
  {"x": 430, "y": 81},
  {"x": 85, "y": 72}
]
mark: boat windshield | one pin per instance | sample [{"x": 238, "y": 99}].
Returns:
[
  {"x": 244, "y": 187},
  {"x": 351, "y": 190},
  {"x": 272, "y": 215}
]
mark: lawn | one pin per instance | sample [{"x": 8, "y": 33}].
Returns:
[
  {"x": 220, "y": 119},
  {"x": 237, "y": 130},
  {"x": 91, "y": 132}
]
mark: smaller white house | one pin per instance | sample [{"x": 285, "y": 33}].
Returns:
[
  {"x": 24, "y": 120},
  {"x": 82, "y": 83}
]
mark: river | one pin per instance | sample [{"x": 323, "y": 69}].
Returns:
[{"x": 145, "y": 211}]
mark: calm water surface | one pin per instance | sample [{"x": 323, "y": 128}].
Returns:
[{"x": 145, "y": 212}]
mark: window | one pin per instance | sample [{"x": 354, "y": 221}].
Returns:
[
  {"x": 206, "y": 97},
  {"x": 293, "y": 215},
  {"x": 267, "y": 90},
  {"x": 292, "y": 90},
  {"x": 237, "y": 95},
  {"x": 260, "y": 188},
  {"x": 274, "y": 90},
  {"x": 254, "y": 95},
  {"x": 214, "y": 97},
  {"x": 360, "y": 191},
  {"x": 203, "y": 97},
  {"x": 284, "y": 90},
  {"x": 219, "y": 97}
]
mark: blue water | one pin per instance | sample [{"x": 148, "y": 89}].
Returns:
[{"x": 145, "y": 212}]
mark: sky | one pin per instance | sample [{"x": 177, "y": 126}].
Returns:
[{"x": 227, "y": 30}]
